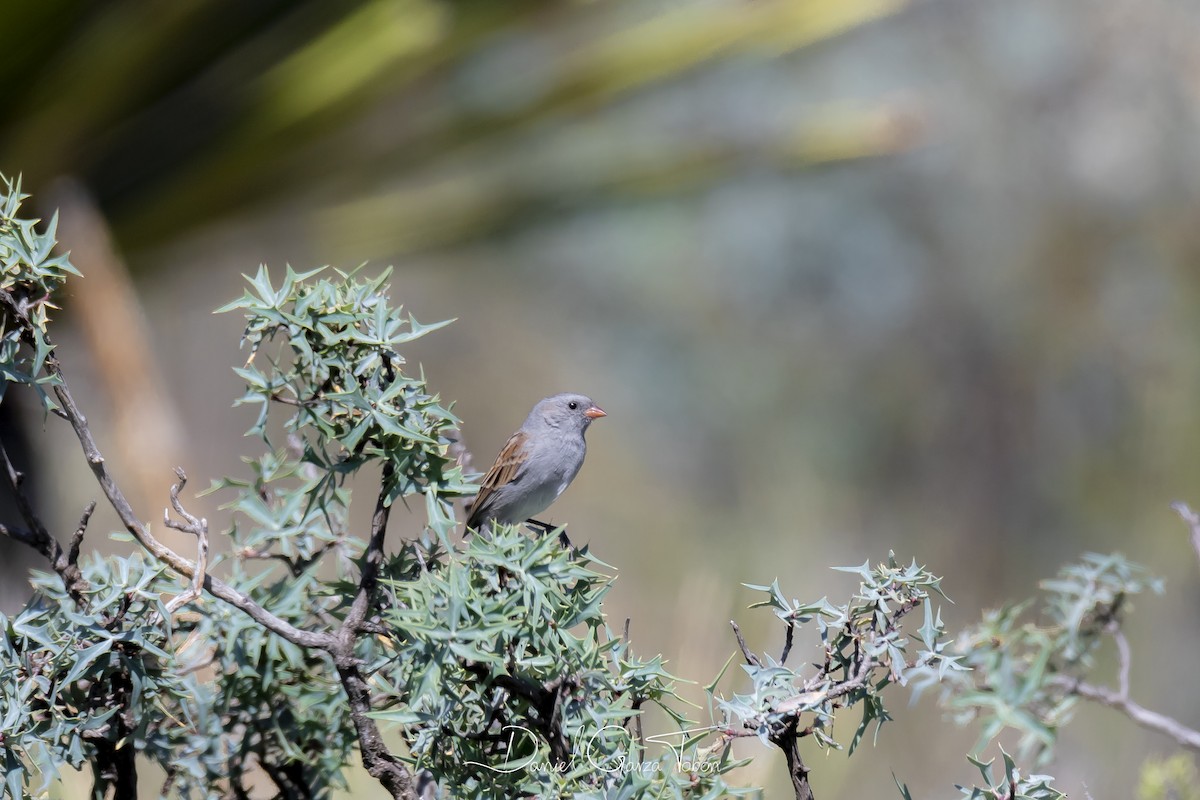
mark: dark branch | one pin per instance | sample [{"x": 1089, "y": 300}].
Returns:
[
  {"x": 797, "y": 771},
  {"x": 115, "y": 764},
  {"x": 80, "y": 529},
  {"x": 380, "y": 762},
  {"x": 787, "y": 642},
  {"x": 746, "y": 652},
  {"x": 37, "y": 537},
  {"x": 372, "y": 561}
]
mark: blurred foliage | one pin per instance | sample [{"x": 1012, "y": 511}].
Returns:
[
  {"x": 1173, "y": 778},
  {"x": 170, "y": 130}
]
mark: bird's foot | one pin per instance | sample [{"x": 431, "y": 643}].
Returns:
[{"x": 546, "y": 527}]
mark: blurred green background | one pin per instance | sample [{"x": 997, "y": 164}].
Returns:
[{"x": 849, "y": 276}]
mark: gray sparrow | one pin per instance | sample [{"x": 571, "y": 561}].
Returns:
[{"x": 537, "y": 463}]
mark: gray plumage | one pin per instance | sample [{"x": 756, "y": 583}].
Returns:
[{"x": 537, "y": 463}]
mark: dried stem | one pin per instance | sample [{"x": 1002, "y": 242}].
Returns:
[
  {"x": 198, "y": 527},
  {"x": 80, "y": 529}
]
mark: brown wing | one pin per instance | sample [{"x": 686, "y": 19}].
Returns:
[{"x": 511, "y": 457}]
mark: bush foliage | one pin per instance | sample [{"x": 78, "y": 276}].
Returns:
[{"x": 488, "y": 662}]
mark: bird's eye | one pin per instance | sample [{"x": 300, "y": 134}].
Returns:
[{"x": 572, "y": 405}]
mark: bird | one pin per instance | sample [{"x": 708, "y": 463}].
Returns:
[{"x": 537, "y": 462}]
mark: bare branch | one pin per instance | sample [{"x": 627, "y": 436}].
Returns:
[
  {"x": 298, "y": 565},
  {"x": 22, "y": 535},
  {"x": 129, "y": 519},
  {"x": 1151, "y": 720},
  {"x": 191, "y": 524}
]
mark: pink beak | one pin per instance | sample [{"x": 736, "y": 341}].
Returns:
[{"x": 595, "y": 412}]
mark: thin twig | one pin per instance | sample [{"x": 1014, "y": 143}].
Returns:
[
  {"x": 797, "y": 770},
  {"x": 1123, "y": 661},
  {"x": 296, "y": 566},
  {"x": 17, "y": 481},
  {"x": 18, "y": 534},
  {"x": 1193, "y": 521},
  {"x": 77, "y": 536}
]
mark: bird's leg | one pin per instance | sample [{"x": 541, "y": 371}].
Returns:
[{"x": 546, "y": 527}]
